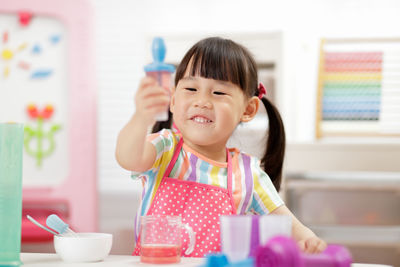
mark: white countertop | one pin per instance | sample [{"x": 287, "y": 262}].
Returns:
[{"x": 53, "y": 260}]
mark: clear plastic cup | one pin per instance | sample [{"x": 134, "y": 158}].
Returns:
[
  {"x": 161, "y": 239},
  {"x": 273, "y": 225},
  {"x": 235, "y": 236}
]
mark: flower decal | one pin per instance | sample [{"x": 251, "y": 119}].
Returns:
[
  {"x": 40, "y": 134},
  {"x": 35, "y": 113}
]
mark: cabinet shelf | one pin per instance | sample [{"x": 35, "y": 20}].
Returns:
[
  {"x": 360, "y": 235},
  {"x": 361, "y": 214}
]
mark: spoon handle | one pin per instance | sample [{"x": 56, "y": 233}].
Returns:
[{"x": 41, "y": 226}]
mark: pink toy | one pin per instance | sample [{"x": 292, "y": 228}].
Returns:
[{"x": 282, "y": 251}]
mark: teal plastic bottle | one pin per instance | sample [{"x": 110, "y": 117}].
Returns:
[{"x": 11, "y": 145}]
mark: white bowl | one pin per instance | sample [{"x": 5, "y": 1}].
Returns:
[{"x": 84, "y": 247}]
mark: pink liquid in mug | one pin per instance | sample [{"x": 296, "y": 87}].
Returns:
[{"x": 160, "y": 253}]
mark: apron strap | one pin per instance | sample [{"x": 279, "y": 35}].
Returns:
[
  {"x": 174, "y": 158},
  {"x": 229, "y": 182},
  {"x": 229, "y": 167}
]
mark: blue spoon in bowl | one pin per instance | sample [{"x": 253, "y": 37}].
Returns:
[
  {"x": 54, "y": 222},
  {"x": 40, "y": 225}
]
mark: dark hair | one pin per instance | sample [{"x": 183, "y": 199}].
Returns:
[{"x": 225, "y": 60}]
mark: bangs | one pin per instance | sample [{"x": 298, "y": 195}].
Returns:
[
  {"x": 217, "y": 59},
  {"x": 216, "y": 65}
]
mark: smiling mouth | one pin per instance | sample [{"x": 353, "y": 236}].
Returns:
[{"x": 200, "y": 119}]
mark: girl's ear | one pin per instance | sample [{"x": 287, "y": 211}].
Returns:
[
  {"x": 172, "y": 102},
  {"x": 251, "y": 109}
]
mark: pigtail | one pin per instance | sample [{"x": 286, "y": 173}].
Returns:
[
  {"x": 272, "y": 161},
  {"x": 159, "y": 125}
]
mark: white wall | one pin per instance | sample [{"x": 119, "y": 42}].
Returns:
[{"x": 122, "y": 27}]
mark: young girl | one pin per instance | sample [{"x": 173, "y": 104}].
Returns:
[{"x": 187, "y": 170}]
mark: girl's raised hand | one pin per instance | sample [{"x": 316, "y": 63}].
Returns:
[
  {"x": 150, "y": 99},
  {"x": 312, "y": 245}
]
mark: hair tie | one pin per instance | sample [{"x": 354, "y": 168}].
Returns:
[{"x": 261, "y": 90}]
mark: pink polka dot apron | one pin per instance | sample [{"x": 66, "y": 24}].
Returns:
[{"x": 199, "y": 205}]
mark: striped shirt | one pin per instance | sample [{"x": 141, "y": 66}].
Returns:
[{"x": 253, "y": 191}]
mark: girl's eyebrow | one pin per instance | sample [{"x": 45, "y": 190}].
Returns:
[
  {"x": 226, "y": 83},
  {"x": 191, "y": 78}
]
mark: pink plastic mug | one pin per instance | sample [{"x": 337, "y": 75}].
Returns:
[{"x": 161, "y": 239}]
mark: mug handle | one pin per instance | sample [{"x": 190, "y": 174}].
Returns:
[{"x": 192, "y": 240}]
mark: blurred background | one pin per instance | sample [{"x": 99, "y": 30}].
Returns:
[{"x": 342, "y": 172}]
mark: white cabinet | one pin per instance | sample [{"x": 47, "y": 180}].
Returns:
[{"x": 362, "y": 213}]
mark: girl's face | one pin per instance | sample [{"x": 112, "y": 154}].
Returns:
[{"x": 207, "y": 111}]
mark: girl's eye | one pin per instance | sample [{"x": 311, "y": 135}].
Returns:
[
  {"x": 219, "y": 93},
  {"x": 191, "y": 89}
]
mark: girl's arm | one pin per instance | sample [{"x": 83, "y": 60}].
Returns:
[
  {"x": 306, "y": 239},
  {"x": 133, "y": 152}
]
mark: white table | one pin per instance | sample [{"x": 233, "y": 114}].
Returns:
[{"x": 53, "y": 260}]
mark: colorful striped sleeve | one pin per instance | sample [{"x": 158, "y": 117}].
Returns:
[
  {"x": 265, "y": 197},
  {"x": 163, "y": 141}
]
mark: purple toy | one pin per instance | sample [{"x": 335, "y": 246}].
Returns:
[
  {"x": 255, "y": 235},
  {"x": 282, "y": 251}
]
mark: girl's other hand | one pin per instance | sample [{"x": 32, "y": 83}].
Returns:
[
  {"x": 312, "y": 245},
  {"x": 150, "y": 99}
]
